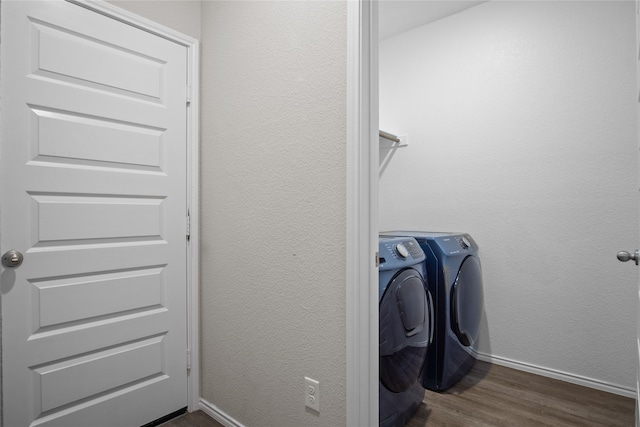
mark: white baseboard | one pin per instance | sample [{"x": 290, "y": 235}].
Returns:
[
  {"x": 214, "y": 412},
  {"x": 559, "y": 375}
]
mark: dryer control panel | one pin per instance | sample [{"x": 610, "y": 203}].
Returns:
[{"x": 461, "y": 244}]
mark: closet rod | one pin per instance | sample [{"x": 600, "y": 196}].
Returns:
[{"x": 389, "y": 136}]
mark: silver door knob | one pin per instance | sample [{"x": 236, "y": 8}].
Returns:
[
  {"x": 12, "y": 259},
  {"x": 626, "y": 256}
]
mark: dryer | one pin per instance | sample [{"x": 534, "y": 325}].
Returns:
[
  {"x": 405, "y": 328},
  {"x": 454, "y": 277}
]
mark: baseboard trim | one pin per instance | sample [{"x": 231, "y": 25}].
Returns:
[
  {"x": 220, "y": 416},
  {"x": 559, "y": 375},
  {"x": 217, "y": 414}
]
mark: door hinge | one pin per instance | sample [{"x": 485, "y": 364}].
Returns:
[
  {"x": 188, "y": 359},
  {"x": 188, "y": 226},
  {"x": 188, "y": 95},
  {"x": 377, "y": 259}
]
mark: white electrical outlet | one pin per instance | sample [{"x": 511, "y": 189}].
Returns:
[{"x": 312, "y": 394}]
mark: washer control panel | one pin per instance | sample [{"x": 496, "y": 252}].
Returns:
[
  {"x": 402, "y": 250},
  {"x": 398, "y": 251}
]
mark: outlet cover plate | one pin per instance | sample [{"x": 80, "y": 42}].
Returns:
[{"x": 312, "y": 394}]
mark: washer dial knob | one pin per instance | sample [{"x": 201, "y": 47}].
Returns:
[{"x": 402, "y": 250}]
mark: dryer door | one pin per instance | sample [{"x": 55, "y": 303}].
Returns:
[
  {"x": 405, "y": 329},
  {"x": 467, "y": 302}
]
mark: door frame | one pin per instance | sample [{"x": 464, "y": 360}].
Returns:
[
  {"x": 192, "y": 227},
  {"x": 637, "y": 64},
  {"x": 362, "y": 114},
  {"x": 362, "y": 213}
]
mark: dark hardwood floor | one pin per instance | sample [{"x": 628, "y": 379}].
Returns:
[
  {"x": 194, "y": 419},
  {"x": 493, "y": 396}
]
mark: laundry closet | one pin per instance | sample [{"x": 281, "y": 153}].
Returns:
[{"x": 517, "y": 125}]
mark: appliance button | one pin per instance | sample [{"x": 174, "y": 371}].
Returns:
[{"x": 402, "y": 250}]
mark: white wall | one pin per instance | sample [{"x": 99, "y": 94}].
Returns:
[
  {"x": 273, "y": 208},
  {"x": 521, "y": 124},
  {"x": 180, "y": 15},
  {"x": 273, "y": 211}
]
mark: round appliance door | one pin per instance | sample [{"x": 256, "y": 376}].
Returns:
[
  {"x": 467, "y": 302},
  {"x": 405, "y": 329}
]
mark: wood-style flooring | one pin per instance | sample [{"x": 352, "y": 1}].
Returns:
[
  {"x": 194, "y": 419},
  {"x": 492, "y": 396}
]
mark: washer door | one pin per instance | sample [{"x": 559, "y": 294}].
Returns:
[
  {"x": 467, "y": 301},
  {"x": 405, "y": 330}
]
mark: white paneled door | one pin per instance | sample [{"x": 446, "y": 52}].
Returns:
[{"x": 93, "y": 194}]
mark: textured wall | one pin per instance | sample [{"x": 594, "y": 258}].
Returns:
[
  {"x": 181, "y": 15},
  {"x": 273, "y": 210},
  {"x": 521, "y": 124}
]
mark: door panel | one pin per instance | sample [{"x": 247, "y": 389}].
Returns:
[
  {"x": 79, "y": 58},
  {"x": 93, "y": 164},
  {"x": 94, "y": 142}
]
